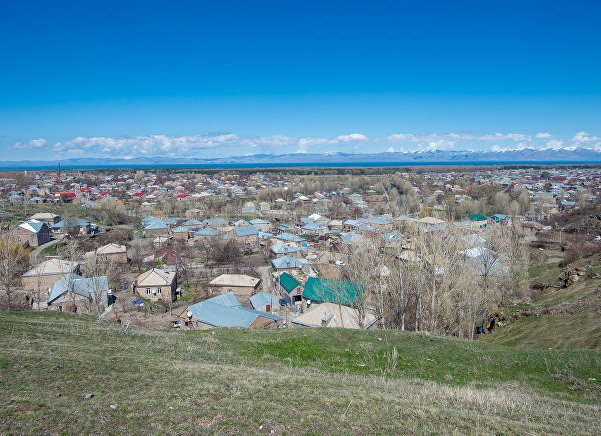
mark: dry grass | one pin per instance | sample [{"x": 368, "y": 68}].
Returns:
[{"x": 203, "y": 383}]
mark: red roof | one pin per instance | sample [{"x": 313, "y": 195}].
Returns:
[
  {"x": 181, "y": 195},
  {"x": 85, "y": 189},
  {"x": 66, "y": 194},
  {"x": 138, "y": 194}
]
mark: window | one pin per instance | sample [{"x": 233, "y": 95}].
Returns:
[
  {"x": 147, "y": 291},
  {"x": 159, "y": 291}
]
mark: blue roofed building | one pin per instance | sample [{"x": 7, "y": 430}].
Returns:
[
  {"x": 264, "y": 302},
  {"x": 287, "y": 262},
  {"x": 79, "y": 294},
  {"x": 226, "y": 311}
]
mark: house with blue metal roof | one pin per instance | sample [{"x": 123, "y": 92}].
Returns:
[
  {"x": 180, "y": 232},
  {"x": 289, "y": 237},
  {"x": 246, "y": 236},
  {"x": 287, "y": 262},
  {"x": 226, "y": 311},
  {"x": 207, "y": 232},
  {"x": 289, "y": 249},
  {"x": 80, "y": 294},
  {"x": 74, "y": 225},
  {"x": 156, "y": 227},
  {"x": 264, "y": 302},
  {"x": 192, "y": 223}
]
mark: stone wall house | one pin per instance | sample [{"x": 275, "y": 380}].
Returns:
[
  {"x": 46, "y": 217},
  {"x": 33, "y": 233},
  {"x": 112, "y": 253},
  {"x": 156, "y": 285},
  {"x": 75, "y": 293},
  {"x": 43, "y": 276},
  {"x": 241, "y": 285}
]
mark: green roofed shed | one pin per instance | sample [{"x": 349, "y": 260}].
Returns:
[
  {"x": 333, "y": 291},
  {"x": 288, "y": 282},
  {"x": 477, "y": 217}
]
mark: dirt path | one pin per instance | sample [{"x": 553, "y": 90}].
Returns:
[{"x": 35, "y": 253}]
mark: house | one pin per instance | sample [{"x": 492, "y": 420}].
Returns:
[
  {"x": 287, "y": 262},
  {"x": 261, "y": 224},
  {"x": 242, "y": 285},
  {"x": 332, "y": 291},
  {"x": 47, "y": 273},
  {"x": 33, "y": 233},
  {"x": 192, "y": 224},
  {"x": 156, "y": 285},
  {"x": 334, "y": 315},
  {"x": 156, "y": 227},
  {"x": 478, "y": 220},
  {"x": 46, "y": 217},
  {"x": 264, "y": 302},
  {"x": 289, "y": 237},
  {"x": 499, "y": 218},
  {"x": 112, "y": 253},
  {"x": 180, "y": 232},
  {"x": 74, "y": 226},
  {"x": 486, "y": 262},
  {"x": 226, "y": 311},
  {"x": 246, "y": 236},
  {"x": 75, "y": 293},
  {"x": 285, "y": 250},
  {"x": 290, "y": 289},
  {"x": 207, "y": 232}
]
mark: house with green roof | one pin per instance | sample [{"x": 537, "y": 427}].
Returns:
[
  {"x": 290, "y": 288},
  {"x": 478, "y": 220},
  {"x": 342, "y": 292}
]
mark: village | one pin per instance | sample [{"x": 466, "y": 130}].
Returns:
[{"x": 284, "y": 249}]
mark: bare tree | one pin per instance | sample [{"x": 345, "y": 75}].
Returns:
[{"x": 13, "y": 259}]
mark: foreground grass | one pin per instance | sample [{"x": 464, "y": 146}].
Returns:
[{"x": 285, "y": 382}]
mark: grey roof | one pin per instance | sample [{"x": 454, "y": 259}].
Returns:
[
  {"x": 226, "y": 311},
  {"x": 192, "y": 222},
  {"x": 259, "y": 221},
  {"x": 246, "y": 231},
  {"x": 79, "y": 285},
  {"x": 350, "y": 238},
  {"x": 33, "y": 225},
  {"x": 395, "y": 235},
  {"x": 288, "y": 262},
  {"x": 207, "y": 231},
  {"x": 215, "y": 222},
  {"x": 157, "y": 224},
  {"x": 260, "y": 299},
  {"x": 71, "y": 222},
  {"x": 283, "y": 249},
  {"x": 289, "y": 237}
]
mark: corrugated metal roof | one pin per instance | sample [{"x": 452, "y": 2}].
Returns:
[{"x": 226, "y": 311}]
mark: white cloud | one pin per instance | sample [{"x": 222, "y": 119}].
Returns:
[
  {"x": 543, "y": 135},
  {"x": 359, "y": 137},
  {"x": 582, "y": 137},
  {"x": 306, "y": 142},
  {"x": 34, "y": 143},
  {"x": 145, "y": 145}
]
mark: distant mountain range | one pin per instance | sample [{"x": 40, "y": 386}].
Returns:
[{"x": 444, "y": 157}]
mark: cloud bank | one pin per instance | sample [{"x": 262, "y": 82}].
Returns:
[{"x": 231, "y": 144}]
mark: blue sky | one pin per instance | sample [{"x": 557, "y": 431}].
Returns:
[{"x": 221, "y": 78}]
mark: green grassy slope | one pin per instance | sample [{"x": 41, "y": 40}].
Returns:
[
  {"x": 285, "y": 382},
  {"x": 568, "y": 318}
]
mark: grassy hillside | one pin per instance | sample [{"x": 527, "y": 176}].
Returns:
[
  {"x": 559, "y": 318},
  {"x": 282, "y": 382}
]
